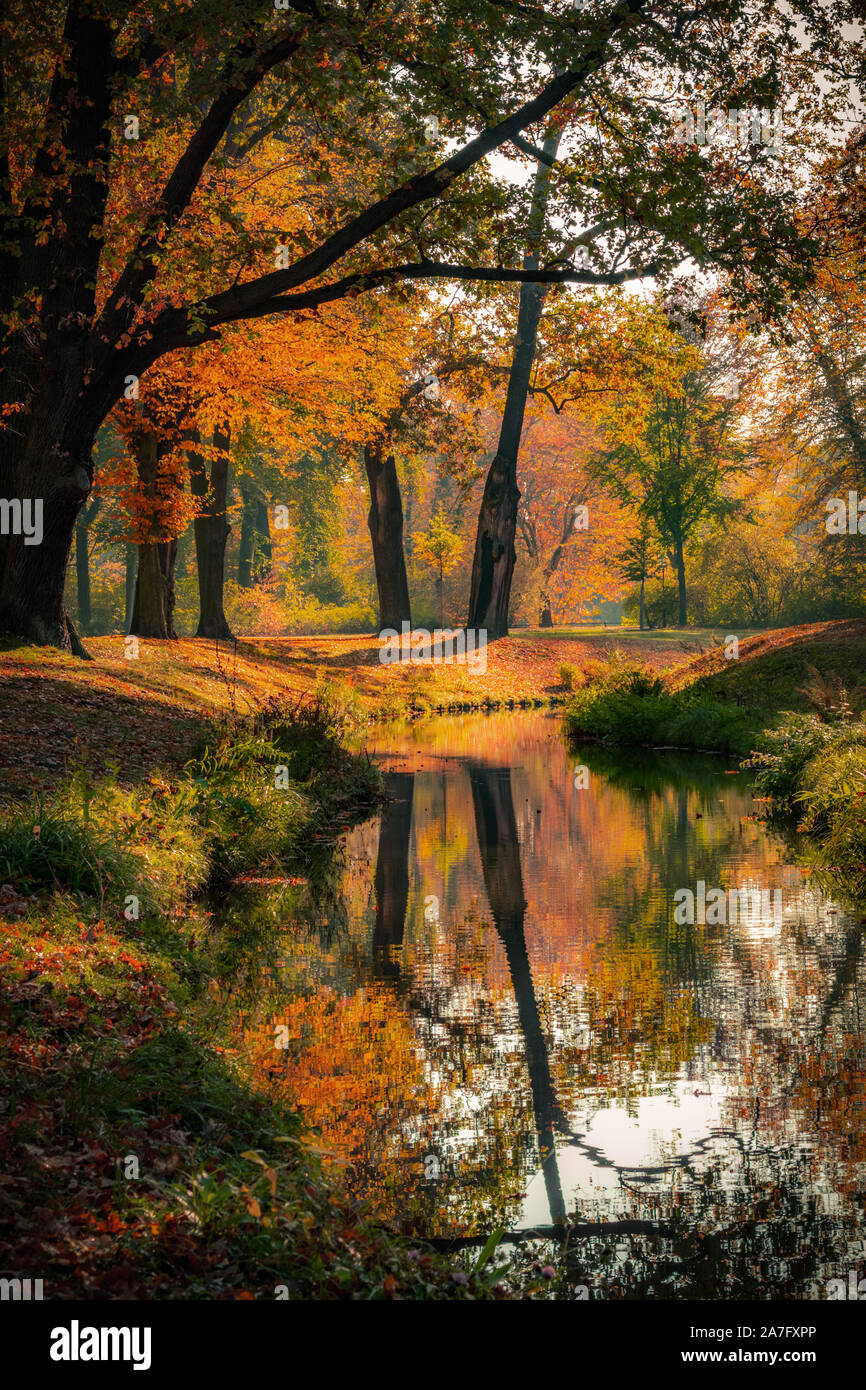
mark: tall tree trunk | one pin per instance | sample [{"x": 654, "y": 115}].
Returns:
[
  {"x": 493, "y": 562},
  {"x": 82, "y": 573},
  {"x": 82, "y": 563},
  {"x": 131, "y": 581},
  {"x": 254, "y": 551},
  {"x": 642, "y": 605},
  {"x": 569, "y": 522},
  {"x": 680, "y": 563},
  {"x": 153, "y": 606},
  {"x": 262, "y": 553},
  {"x": 211, "y": 534},
  {"x": 385, "y": 520},
  {"x": 246, "y": 544}
]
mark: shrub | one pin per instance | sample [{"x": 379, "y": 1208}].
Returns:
[
  {"x": 98, "y": 840},
  {"x": 633, "y": 708},
  {"x": 163, "y": 840},
  {"x": 784, "y": 753}
]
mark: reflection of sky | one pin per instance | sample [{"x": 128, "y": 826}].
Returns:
[{"x": 657, "y": 1131}]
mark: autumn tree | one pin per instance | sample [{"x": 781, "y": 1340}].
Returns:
[
  {"x": 639, "y": 561},
  {"x": 674, "y": 442},
  {"x": 117, "y": 250},
  {"x": 570, "y": 529},
  {"x": 440, "y": 548}
]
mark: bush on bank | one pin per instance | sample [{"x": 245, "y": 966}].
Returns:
[
  {"x": 815, "y": 771},
  {"x": 253, "y": 796},
  {"x": 624, "y": 702}
]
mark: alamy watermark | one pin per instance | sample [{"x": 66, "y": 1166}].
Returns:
[
  {"x": 21, "y": 1290},
  {"x": 855, "y": 1288},
  {"x": 846, "y": 518},
  {"x": 22, "y": 517},
  {"x": 77, "y": 1343},
  {"x": 443, "y": 645},
  {"x": 716, "y": 907},
  {"x": 735, "y": 126}
]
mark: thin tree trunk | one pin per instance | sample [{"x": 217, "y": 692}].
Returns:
[
  {"x": 262, "y": 553},
  {"x": 82, "y": 563},
  {"x": 211, "y": 534},
  {"x": 642, "y": 608},
  {"x": 131, "y": 579},
  {"x": 248, "y": 534},
  {"x": 254, "y": 550},
  {"x": 681, "y": 582},
  {"x": 82, "y": 573},
  {"x": 385, "y": 520},
  {"x": 493, "y": 562}
]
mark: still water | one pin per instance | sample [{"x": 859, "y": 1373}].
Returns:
[{"x": 496, "y": 1017}]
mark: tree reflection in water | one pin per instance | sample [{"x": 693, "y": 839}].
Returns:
[{"x": 566, "y": 1050}]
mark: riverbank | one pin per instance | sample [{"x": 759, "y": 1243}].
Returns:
[
  {"x": 132, "y": 714},
  {"x": 137, "y": 1160},
  {"x": 721, "y": 700},
  {"x": 792, "y": 704}
]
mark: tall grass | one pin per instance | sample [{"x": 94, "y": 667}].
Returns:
[{"x": 247, "y": 800}]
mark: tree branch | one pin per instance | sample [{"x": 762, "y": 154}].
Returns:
[
  {"x": 244, "y": 69},
  {"x": 249, "y": 300}
]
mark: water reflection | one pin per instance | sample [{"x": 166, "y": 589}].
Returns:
[{"x": 504, "y": 1019}]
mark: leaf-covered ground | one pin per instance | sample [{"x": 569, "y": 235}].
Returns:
[{"x": 129, "y": 715}]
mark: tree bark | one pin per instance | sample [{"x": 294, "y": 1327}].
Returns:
[
  {"x": 82, "y": 573},
  {"x": 131, "y": 581},
  {"x": 493, "y": 562},
  {"x": 153, "y": 606},
  {"x": 254, "y": 551},
  {"x": 679, "y": 562},
  {"x": 82, "y": 563},
  {"x": 385, "y": 520},
  {"x": 262, "y": 553},
  {"x": 212, "y": 529},
  {"x": 249, "y": 508},
  {"x": 57, "y": 472}
]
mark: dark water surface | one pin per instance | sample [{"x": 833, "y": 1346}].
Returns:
[{"x": 497, "y": 1018}]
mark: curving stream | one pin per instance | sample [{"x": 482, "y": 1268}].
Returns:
[{"x": 499, "y": 1016}]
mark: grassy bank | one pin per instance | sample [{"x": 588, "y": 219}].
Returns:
[
  {"x": 623, "y": 702},
  {"x": 133, "y": 714},
  {"x": 718, "y": 702},
  {"x": 811, "y": 772},
  {"x": 136, "y": 1160},
  {"x": 792, "y": 704}
]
